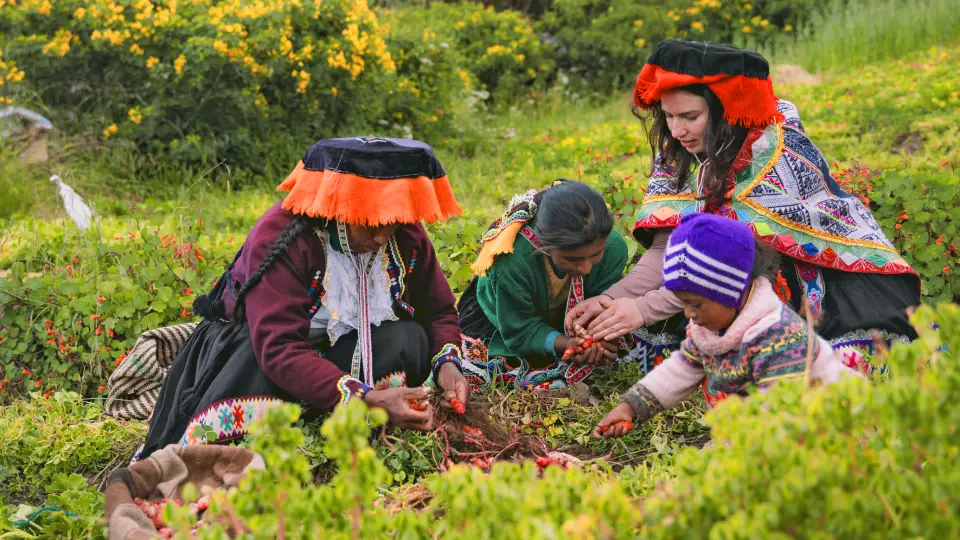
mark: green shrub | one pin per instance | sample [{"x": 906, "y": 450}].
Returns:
[
  {"x": 44, "y": 438},
  {"x": 855, "y": 460},
  {"x": 211, "y": 77},
  {"x": 497, "y": 49},
  {"x": 607, "y": 41},
  {"x": 74, "y": 305}
]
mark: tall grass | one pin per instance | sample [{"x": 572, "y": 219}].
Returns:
[{"x": 854, "y": 33}]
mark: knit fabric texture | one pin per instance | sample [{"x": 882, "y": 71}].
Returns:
[
  {"x": 515, "y": 296},
  {"x": 712, "y": 256}
]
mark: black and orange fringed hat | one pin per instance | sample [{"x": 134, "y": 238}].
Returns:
[
  {"x": 740, "y": 79},
  {"x": 370, "y": 181}
]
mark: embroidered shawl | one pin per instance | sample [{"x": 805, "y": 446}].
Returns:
[{"x": 782, "y": 188}]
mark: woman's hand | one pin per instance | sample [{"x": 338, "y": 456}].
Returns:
[
  {"x": 600, "y": 353},
  {"x": 621, "y": 316},
  {"x": 453, "y": 384},
  {"x": 397, "y": 403},
  {"x": 582, "y": 314},
  {"x": 616, "y": 423}
]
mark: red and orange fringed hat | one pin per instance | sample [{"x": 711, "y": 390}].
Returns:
[
  {"x": 370, "y": 181},
  {"x": 740, "y": 79}
]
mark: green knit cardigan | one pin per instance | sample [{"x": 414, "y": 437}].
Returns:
[{"x": 514, "y": 296}]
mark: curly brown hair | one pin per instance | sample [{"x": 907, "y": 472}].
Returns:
[{"x": 721, "y": 145}]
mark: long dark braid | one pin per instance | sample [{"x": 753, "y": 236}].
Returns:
[
  {"x": 208, "y": 305},
  {"x": 290, "y": 233}
]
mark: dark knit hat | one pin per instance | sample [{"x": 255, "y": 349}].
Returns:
[
  {"x": 370, "y": 181},
  {"x": 739, "y": 78},
  {"x": 712, "y": 256}
]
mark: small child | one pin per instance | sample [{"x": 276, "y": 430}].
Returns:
[{"x": 740, "y": 333}]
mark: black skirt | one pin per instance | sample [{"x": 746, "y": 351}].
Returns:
[
  {"x": 853, "y": 303},
  {"x": 217, "y": 368}
]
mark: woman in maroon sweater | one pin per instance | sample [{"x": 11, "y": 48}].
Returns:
[{"x": 292, "y": 320}]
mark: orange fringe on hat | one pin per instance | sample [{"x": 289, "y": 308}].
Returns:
[
  {"x": 747, "y": 101},
  {"x": 367, "y": 201}
]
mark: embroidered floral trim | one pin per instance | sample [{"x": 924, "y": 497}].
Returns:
[
  {"x": 398, "y": 272},
  {"x": 351, "y": 387},
  {"x": 226, "y": 420}
]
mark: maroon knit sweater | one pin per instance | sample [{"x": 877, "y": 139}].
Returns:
[{"x": 277, "y": 307}]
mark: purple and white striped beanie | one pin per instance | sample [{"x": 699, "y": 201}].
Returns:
[{"x": 712, "y": 256}]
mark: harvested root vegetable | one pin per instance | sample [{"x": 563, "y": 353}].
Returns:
[
  {"x": 417, "y": 405},
  {"x": 472, "y": 432},
  {"x": 458, "y": 406},
  {"x": 627, "y": 425}
]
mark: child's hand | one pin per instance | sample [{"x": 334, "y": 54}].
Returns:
[{"x": 616, "y": 423}]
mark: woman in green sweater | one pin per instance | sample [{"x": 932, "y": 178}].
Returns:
[{"x": 550, "y": 251}]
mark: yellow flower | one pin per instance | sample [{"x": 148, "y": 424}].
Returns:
[
  {"x": 459, "y": 25},
  {"x": 747, "y": 29},
  {"x": 334, "y": 91},
  {"x": 111, "y": 129},
  {"x": 697, "y": 25},
  {"x": 640, "y": 42},
  {"x": 79, "y": 13},
  {"x": 179, "y": 63},
  {"x": 434, "y": 118},
  {"x": 638, "y": 22},
  {"x": 135, "y": 116},
  {"x": 44, "y": 8},
  {"x": 135, "y": 49},
  {"x": 152, "y": 62},
  {"x": 520, "y": 58},
  {"x": 220, "y": 46},
  {"x": 788, "y": 28}
]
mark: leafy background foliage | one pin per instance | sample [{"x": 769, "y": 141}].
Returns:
[{"x": 511, "y": 99}]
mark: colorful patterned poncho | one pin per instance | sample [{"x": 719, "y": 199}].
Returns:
[{"x": 780, "y": 185}]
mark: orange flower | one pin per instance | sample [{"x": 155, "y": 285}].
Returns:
[
  {"x": 897, "y": 226},
  {"x": 26, "y": 372},
  {"x": 111, "y": 333},
  {"x": 101, "y": 299},
  {"x": 94, "y": 317},
  {"x": 99, "y": 328},
  {"x": 101, "y": 389},
  {"x": 944, "y": 164},
  {"x": 132, "y": 235},
  {"x": 587, "y": 151},
  {"x": 38, "y": 383},
  {"x": 627, "y": 178},
  {"x": 946, "y": 269},
  {"x": 121, "y": 358},
  {"x": 940, "y": 240}
]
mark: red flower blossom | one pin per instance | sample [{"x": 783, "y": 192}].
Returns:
[
  {"x": 94, "y": 317},
  {"x": 38, "y": 383},
  {"x": 944, "y": 164},
  {"x": 132, "y": 235},
  {"x": 26, "y": 372},
  {"x": 101, "y": 299},
  {"x": 946, "y": 269},
  {"x": 627, "y": 178},
  {"x": 101, "y": 389},
  {"x": 940, "y": 240}
]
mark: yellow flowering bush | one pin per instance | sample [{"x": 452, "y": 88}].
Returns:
[
  {"x": 171, "y": 73},
  {"x": 497, "y": 52}
]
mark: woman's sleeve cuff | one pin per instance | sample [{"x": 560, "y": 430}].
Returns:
[
  {"x": 548, "y": 343},
  {"x": 449, "y": 354},
  {"x": 351, "y": 387}
]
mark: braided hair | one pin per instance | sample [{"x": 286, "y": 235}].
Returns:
[{"x": 209, "y": 305}]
